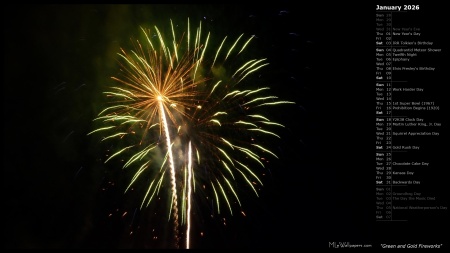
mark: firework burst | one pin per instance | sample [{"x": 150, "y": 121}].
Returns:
[{"x": 187, "y": 115}]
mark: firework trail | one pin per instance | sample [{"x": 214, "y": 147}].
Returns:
[
  {"x": 179, "y": 94},
  {"x": 172, "y": 170},
  {"x": 189, "y": 185}
]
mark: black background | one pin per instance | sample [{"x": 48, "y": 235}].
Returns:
[{"x": 58, "y": 193}]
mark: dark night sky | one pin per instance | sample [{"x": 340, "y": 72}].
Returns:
[{"x": 58, "y": 60}]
